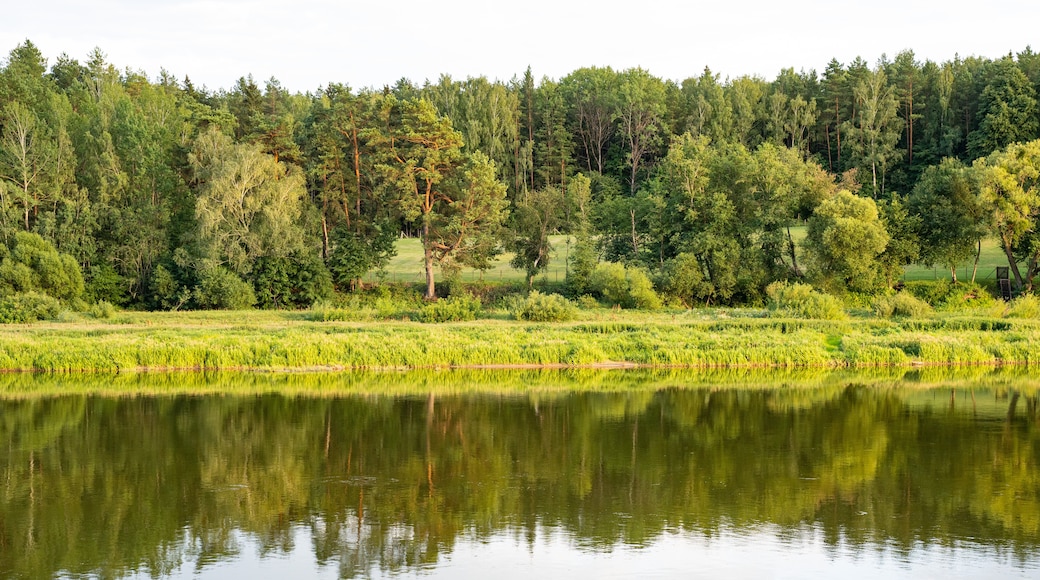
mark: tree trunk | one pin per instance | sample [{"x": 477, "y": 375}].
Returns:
[
  {"x": 1019, "y": 283},
  {"x": 324, "y": 237},
  {"x": 975, "y": 269},
  {"x": 428, "y": 261},
  {"x": 635, "y": 239},
  {"x": 357, "y": 170},
  {"x": 791, "y": 250},
  {"x": 830, "y": 161},
  {"x": 837, "y": 130}
]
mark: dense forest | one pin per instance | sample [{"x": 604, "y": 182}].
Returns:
[{"x": 158, "y": 194}]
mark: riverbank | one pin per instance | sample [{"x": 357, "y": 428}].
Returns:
[{"x": 697, "y": 339}]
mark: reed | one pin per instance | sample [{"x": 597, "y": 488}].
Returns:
[{"x": 301, "y": 341}]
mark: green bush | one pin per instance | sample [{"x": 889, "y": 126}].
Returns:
[
  {"x": 104, "y": 283},
  {"x": 296, "y": 281},
  {"x": 625, "y": 287},
  {"x": 31, "y": 264},
  {"x": 326, "y": 311},
  {"x": 802, "y": 301},
  {"x": 949, "y": 296},
  {"x": 582, "y": 265},
  {"x": 586, "y": 302},
  {"x": 608, "y": 280},
  {"x": 540, "y": 307},
  {"x": 641, "y": 291},
  {"x": 457, "y": 308},
  {"x": 1025, "y": 306},
  {"x": 934, "y": 292},
  {"x": 28, "y": 307},
  {"x": 220, "y": 288},
  {"x": 684, "y": 280},
  {"x": 102, "y": 310},
  {"x": 903, "y": 304},
  {"x": 965, "y": 295}
]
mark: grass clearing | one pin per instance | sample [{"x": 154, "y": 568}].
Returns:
[{"x": 407, "y": 266}]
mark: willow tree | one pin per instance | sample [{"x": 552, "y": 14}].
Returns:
[{"x": 249, "y": 206}]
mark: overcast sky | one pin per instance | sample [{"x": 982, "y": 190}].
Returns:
[{"x": 308, "y": 43}]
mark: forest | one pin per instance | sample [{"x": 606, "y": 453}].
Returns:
[{"x": 157, "y": 194}]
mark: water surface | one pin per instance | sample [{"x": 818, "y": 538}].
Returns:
[{"x": 515, "y": 474}]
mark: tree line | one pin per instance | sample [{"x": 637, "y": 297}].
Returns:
[{"x": 156, "y": 193}]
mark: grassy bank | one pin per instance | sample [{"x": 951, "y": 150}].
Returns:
[{"x": 719, "y": 338}]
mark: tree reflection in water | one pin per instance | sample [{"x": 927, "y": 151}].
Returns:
[{"x": 112, "y": 485}]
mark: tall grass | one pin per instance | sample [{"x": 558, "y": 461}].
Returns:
[{"x": 288, "y": 340}]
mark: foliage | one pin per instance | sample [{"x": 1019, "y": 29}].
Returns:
[
  {"x": 949, "y": 295},
  {"x": 802, "y": 301},
  {"x": 583, "y": 260},
  {"x": 102, "y": 310},
  {"x": 219, "y": 288},
  {"x": 31, "y": 264},
  {"x": 352, "y": 256},
  {"x": 456, "y": 308},
  {"x": 249, "y": 205},
  {"x": 710, "y": 175},
  {"x": 684, "y": 280},
  {"x": 902, "y": 304},
  {"x": 538, "y": 307},
  {"x": 28, "y": 307},
  {"x": 845, "y": 237},
  {"x": 1024, "y": 306},
  {"x": 628, "y": 287},
  {"x": 293, "y": 281}
]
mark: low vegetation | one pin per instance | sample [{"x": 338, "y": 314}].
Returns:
[{"x": 377, "y": 330}]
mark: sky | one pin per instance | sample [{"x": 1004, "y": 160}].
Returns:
[{"x": 306, "y": 44}]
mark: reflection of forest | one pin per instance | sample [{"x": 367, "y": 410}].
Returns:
[{"x": 107, "y": 485}]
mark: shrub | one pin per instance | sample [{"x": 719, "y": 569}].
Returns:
[
  {"x": 540, "y": 307},
  {"x": 102, "y": 310},
  {"x": 167, "y": 292},
  {"x": 1025, "y": 306},
  {"x": 582, "y": 265},
  {"x": 608, "y": 280},
  {"x": 296, "y": 281},
  {"x": 457, "y": 308},
  {"x": 641, "y": 291},
  {"x": 950, "y": 296},
  {"x": 802, "y": 301},
  {"x": 28, "y": 307},
  {"x": 220, "y": 288},
  {"x": 626, "y": 287},
  {"x": 684, "y": 280},
  {"x": 586, "y": 302},
  {"x": 325, "y": 311},
  {"x": 902, "y": 304},
  {"x": 968, "y": 295},
  {"x": 104, "y": 283},
  {"x": 934, "y": 292},
  {"x": 31, "y": 264}
]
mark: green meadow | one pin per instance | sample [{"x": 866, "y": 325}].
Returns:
[{"x": 407, "y": 265}]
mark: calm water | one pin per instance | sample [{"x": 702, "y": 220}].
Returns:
[{"x": 619, "y": 474}]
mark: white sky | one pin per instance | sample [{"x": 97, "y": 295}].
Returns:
[{"x": 308, "y": 43}]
